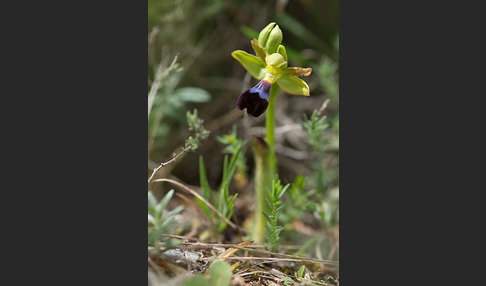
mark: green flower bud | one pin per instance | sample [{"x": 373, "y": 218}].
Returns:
[
  {"x": 270, "y": 37},
  {"x": 275, "y": 60},
  {"x": 265, "y": 33},
  {"x": 274, "y": 40}
]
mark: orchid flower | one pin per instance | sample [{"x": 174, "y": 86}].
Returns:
[{"x": 269, "y": 65}]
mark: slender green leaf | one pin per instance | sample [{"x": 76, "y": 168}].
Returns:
[
  {"x": 267, "y": 218},
  {"x": 232, "y": 166},
  {"x": 167, "y": 222},
  {"x": 151, "y": 219},
  {"x": 152, "y": 201},
  {"x": 283, "y": 191},
  {"x": 301, "y": 271},
  {"x": 249, "y": 32},
  {"x": 267, "y": 204},
  {"x": 278, "y": 211},
  {"x": 207, "y": 191},
  {"x": 191, "y": 94},
  {"x": 165, "y": 200},
  {"x": 175, "y": 211}
]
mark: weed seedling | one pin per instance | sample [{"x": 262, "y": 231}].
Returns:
[
  {"x": 222, "y": 201},
  {"x": 158, "y": 223},
  {"x": 275, "y": 207},
  {"x": 192, "y": 143}
]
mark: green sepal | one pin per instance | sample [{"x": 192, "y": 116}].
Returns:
[
  {"x": 281, "y": 50},
  {"x": 259, "y": 50},
  {"x": 293, "y": 85},
  {"x": 295, "y": 71},
  {"x": 251, "y": 63}
]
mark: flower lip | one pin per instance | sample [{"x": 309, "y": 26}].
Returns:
[{"x": 255, "y": 100}]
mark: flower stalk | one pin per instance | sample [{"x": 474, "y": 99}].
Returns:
[
  {"x": 269, "y": 65},
  {"x": 270, "y": 129},
  {"x": 261, "y": 153}
]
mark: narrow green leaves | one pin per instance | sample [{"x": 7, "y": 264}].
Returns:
[
  {"x": 158, "y": 223},
  {"x": 207, "y": 192},
  {"x": 223, "y": 202},
  {"x": 275, "y": 208}
]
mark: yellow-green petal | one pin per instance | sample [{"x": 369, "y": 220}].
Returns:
[
  {"x": 296, "y": 71},
  {"x": 293, "y": 85},
  {"x": 251, "y": 63},
  {"x": 281, "y": 50}
]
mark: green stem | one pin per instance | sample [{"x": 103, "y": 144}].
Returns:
[
  {"x": 266, "y": 166},
  {"x": 270, "y": 128},
  {"x": 262, "y": 167}
]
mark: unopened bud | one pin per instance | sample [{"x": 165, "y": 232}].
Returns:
[
  {"x": 265, "y": 33},
  {"x": 275, "y": 60},
  {"x": 270, "y": 37}
]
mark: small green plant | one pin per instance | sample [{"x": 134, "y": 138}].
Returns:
[
  {"x": 315, "y": 127},
  {"x": 328, "y": 201},
  {"x": 158, "y": 223},
  {"x": 299, "y": 200},
  {"x": 287, "y": 281},
  {"x": 275, "y": 207},
  {"x": 192, "y": 143},
  {"x": 167, "y": 103},
  {"x": 219, "y": 275},
  {"x": 222, "y": 201},
  {"x": 300, "y": 274},
  {"x": 233, "y": 144},
  {"x": 328, "y": 210},
  {"x": 196, "y": 126}
]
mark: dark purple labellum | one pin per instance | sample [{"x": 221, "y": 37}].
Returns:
[{"x": 255, "y": 100}]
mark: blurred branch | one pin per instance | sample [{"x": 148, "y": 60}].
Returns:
[
  {"x": 159, "y": 77},
  {"x": 324, "y": 105},
  {"x": 168, "y": 162}
]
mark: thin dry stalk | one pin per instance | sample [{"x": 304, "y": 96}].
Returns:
[
  {"x": 324, "y": 105},
  {"x": 166, "y": 163},
  {"x": 251, "y": 248}
]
